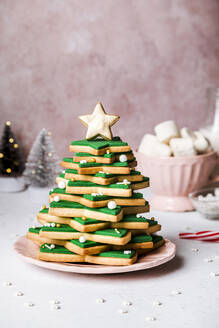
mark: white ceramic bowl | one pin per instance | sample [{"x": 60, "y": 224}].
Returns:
[{"x": 207, "y": 207}]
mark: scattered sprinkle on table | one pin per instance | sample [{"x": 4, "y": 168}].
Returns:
[
  {"x": 195, "y": 250},
  {"x": 55, "y": 302},
  {"x": 19, "y": 293},
  {"x": 126, "y": 303},
  {"x": 176, "y": 292},
  {"x": 55, "y": 307},
  {"x": 100, "y": 300},
  {"x": 214, "y": 274},
  {"x": 7, "y": 283},
  {"x": 123, "y": 311},
  {"x": 157, "y": 303},
  {"x": 208, "y": 260},
  {"x": 29, "y": 304},
  {"x": 150, "y": 319}
]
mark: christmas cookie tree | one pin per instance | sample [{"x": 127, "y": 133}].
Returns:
[{"x": 95, "y": 212}]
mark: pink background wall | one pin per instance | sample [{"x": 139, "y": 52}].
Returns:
[{"x": 147, "y": 61}]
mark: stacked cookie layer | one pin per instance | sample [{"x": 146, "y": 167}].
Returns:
[{"x": 94, "y": 214}]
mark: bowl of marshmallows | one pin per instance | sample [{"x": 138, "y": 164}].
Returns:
[{"x": 178, "y": 162}]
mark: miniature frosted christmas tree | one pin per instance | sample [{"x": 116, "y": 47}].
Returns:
[
  {"x": 42, "y": 163},
  {"x": 94, "y": 215},
  {"x": 11, "y": 163}
]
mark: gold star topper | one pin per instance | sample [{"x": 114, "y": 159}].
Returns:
[{"x": 99, "y": 123}]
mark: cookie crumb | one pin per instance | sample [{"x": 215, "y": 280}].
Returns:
[
  {"x": 150, "y": 319},
  {"x": 7, "y": 283},
  {"x": 100, "y": 300}
]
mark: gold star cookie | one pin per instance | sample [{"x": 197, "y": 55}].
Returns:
[{"x": 99, "y": 123}]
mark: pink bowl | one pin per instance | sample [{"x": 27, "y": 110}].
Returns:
[{"x": 173, "y": 178}]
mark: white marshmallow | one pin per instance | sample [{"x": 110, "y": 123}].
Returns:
[
  {"x": 187, "y": 133},
  {"x": 166, "y": 131},
  {"x": 150, "y": 146},
  {"x": 201, "y": 143},
  {"x": 182, "y": 147}
]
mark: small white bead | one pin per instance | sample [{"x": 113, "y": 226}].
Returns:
[
  {"x": 127, "y": 252},
  {"x": 47, "y": 224},
  {"x": 55, "y": 302},
  {"x": 52, "y": 246},
  {"x": 126, "y": 303},
  {"x": 56, "y": 198},
  {"x": 123, "y": 311},
  {"x": 214, "y": 274},
  {"x": 94, "y": 194},
  {"x": 29, "y": 304},
  {"x": 150, "y": 319},
  {"x": 83, "y": 161},
  {"x": 7, "y": 283},
  {"x": 100, "y": 193},
  {"x": 63, "y": 171},
  {"x": 82, "y": 239},
  {"x": 52, "y": 225},
  {"x": 157, "y": 303},
  {"x": 61, "y": 184},
  {"x": 100, "y": 300},
  {"x": 111, "y": 205},
  {"x": 176, "y": 292},
  {"x": 208, "y": 260},
  {"x": 19, "y": 293},
  {"x": 123, "y": 158}
]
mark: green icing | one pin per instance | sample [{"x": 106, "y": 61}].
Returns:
[
  {"x": 135, "y": 172},
  {"x": 62, "y": 175},
  {"x": 87, "y": 221},
  {"x": 102, "y": 175},
  {"x": 119, "y": 254},
  {"x": 91, "y": 184},
  {"x": 62, "y": 228},
  {"x": 90, "y": 155},
  {"x": 86, "y": 244},
  {"x": 100, "y": 143},
  {"x": 57, "y": 191},
  {"x": 56, "y": 250},
  {"x": 66, "y": 204},
  {"x": 152, "y": 222},
  {"x": 156, "y": 238},
  {"x": 111, "y": 232},
  {"x": 141, "y": 239},
  {"x": 89, "y": 164},
  {"x": 133, "y": 218},
  {"x": 46, "y": 210},
  {"x": 35, "y": 230}
]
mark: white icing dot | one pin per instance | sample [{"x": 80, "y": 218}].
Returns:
[
  {"x": 52, "y": 246},
  {"x": 83, "y": 161},
  {"x": 123, "y": 158},
  {"x": 19, "y": 293},
  {"x": 101, "y": 193},
  {"x": 150, "y": 319},
  {"x": 176, "y": 292},
  {"x": 126, "y": 303},
  {"x": 157, "y": 303},
  {"x": 123, "y": 311},
  {"x": 111, "y": 205},
  {"x": 101, "y": 172},
  {"x": 29, "y": 304},
  {"x": 94, "y": 194},
  {"x": 125, "y": 181},
  {"x": 100, "y": 300},
  {"x": 127, "y": 252},
  {"x": 7, "y": 283},
  {"x": 47, "y": 224},
  {"x": 214, "y": 274},
  {"x": 61, "y": 184},
  {"x": 195, "y": 250},
  {"x": 208, "y": 260},
  {"x": 52, "y": 225},
  {"x": 82, "y": 239},
  {"x": 56, "y": 198},
  {"x": 63, "y": 171}
]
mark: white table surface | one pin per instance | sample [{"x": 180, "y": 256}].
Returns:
[{"x": 197, "y": 306}]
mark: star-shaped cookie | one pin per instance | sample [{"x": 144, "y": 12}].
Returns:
[{"x": 99, "y": 123}]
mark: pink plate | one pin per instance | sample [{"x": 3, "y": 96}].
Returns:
[{"x": 27, "y": 251}]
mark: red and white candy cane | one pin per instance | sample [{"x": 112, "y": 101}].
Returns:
[{"x": 206, "y": 235}]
